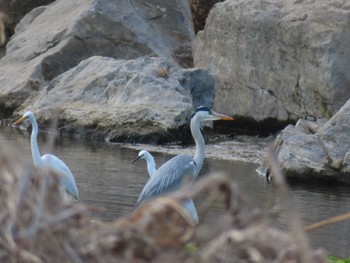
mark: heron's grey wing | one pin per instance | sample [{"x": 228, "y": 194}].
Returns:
[
  {"x": 169, "y": 177},
  {"x": 66, "y": 177}
]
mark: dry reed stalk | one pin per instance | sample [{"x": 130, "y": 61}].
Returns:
[
  {"x": 329, "y": 221},
  {"x": 38, "y": 225},
  {"x": 291, "y": 214}
]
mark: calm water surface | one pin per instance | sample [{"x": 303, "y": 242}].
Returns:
[{"x": 107, "y": 179}]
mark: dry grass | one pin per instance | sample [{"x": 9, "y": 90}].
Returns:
[
  {"x": 39, "y": 225},
  {"x": 162, "y": 73}
]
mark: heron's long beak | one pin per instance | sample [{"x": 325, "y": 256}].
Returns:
[
  {"x": 20, "y": 120},
  {"x": 222, "y": 116},
  {"x": 138, "y": 157}
]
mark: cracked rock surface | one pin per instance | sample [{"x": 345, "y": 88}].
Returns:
[
  {"x": 319, "y": 150},
  {"x": 277, "y": 59}
]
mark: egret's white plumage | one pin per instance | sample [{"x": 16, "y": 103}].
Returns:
[
  {"x": 49, "y": 161},
  {"x": 151, "y": 165},
  {"x": 172, "y": 174},
  {"x": 188, "y": 205}
]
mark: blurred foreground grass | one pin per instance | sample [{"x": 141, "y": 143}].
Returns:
[{"x": 39, "y": 224}]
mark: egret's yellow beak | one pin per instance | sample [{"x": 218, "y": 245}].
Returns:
[
  {"x": 222, "y": 116},
  {"x": 20, "y": 120}
]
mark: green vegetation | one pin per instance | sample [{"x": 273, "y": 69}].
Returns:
[
  {"x": 333, "y": 259},
  {"x": 192, "y": 248}
]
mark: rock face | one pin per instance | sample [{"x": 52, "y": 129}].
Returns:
[
  {"x": 11, "y": 13},
  {"x": 52, "y": 39},
  {"x": 140, "y": 100},
  {"x": 278, "y": 59},
  {"x": 53, "y": 62},
  {"x": 313, "y": 150}
]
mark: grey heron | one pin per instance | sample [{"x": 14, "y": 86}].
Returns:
[
  {"x": 49, "y": 161},
  {"x": 181, "y": 168},
  {"x": 188, "y": 205}
]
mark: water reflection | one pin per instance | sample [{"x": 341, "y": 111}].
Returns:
[{"x": 107, "y": 180}]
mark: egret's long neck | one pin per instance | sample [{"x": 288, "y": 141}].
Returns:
[
  {"x": 199, "y": 140},
  {"x": 151, "y": 165},
  {"x": 35, "y": 149}
]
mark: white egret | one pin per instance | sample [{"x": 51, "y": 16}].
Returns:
[
  {"x": 151, "y": 165},
  {"x": 188, "y": 205},
  {"x": 49, "y": 161},
  {"x": 171, "y": 175}
]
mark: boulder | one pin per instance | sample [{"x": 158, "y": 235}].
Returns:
[
  {"x": 137, "y": 100},
  {"x": 335, "y": 135},
  {"x": 277, "y": 59},
  {"x": 11, "y": 12},
  {"x": 53, "y": 39},
  {"x": 302, "y": 155},
  {"x": 309, "y": 150}
]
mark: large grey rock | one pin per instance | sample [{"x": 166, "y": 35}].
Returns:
[
  {"x": 53, "y": 39},
  {"x": 11, "y": 12},
  {"x": 141, "y": 100},
  {"x": 280, "y": 58},
  {"x": 309, "y": 150},
  {"x": 335, "y": 135},
  {"x": 302, "y": 155}
]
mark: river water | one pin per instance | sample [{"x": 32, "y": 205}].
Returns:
[{"x": 106, "y": 179}]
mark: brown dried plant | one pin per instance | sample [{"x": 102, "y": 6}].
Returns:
[
  {"x": 38, "y": 224},
  {"x": 162, "y": 73}
]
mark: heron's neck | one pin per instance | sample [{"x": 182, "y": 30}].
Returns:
[
  {"x": 35, "y": 149},
  {"x": 199, "y": 140}
]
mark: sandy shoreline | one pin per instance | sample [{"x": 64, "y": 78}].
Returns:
[{"x": 241, "y": 148}]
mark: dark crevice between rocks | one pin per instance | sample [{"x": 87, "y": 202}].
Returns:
[
  {"x": 6, "y": 111},
  {"x": 200, "y": 11},
  {"x": 127, "y": 133},
  {"x": 248, "y": 126},
  {"x": 10, "y": 103},
  {"x": 227, "y": 130},
  {"x": 222, "y": 130},
  {"x": 152, "y": 137}
]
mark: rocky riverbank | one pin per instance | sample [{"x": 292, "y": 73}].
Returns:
[{"x": 133, "y": 72}]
